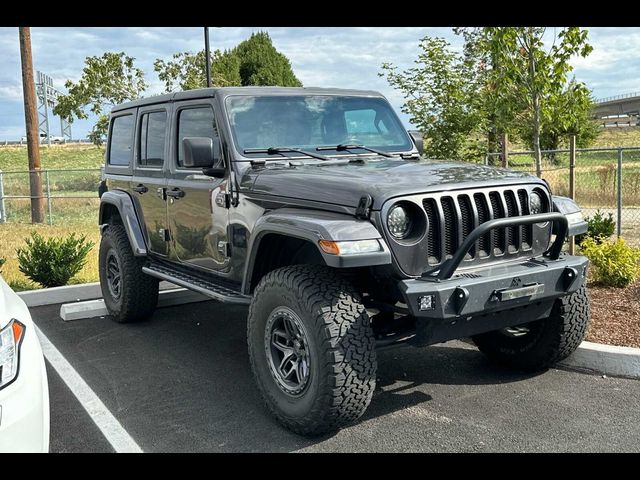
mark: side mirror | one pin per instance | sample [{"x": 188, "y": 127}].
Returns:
[
  {"x": 203, "y": 153},
  {"x": 418, "y": 140}
]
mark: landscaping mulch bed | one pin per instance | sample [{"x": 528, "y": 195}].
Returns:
[{"x": 615, "y": 315}]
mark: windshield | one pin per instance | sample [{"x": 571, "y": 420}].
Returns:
[{"x": 311, "y": 121}]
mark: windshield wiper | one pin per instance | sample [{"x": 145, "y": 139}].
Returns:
[
  {"x": 281, "y": 150},
  {"x": 343, "y": 146}
]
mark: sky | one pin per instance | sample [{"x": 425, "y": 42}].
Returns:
[{"x": 320, "y": 56}]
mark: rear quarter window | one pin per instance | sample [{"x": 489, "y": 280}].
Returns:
[{"x": 120, "y": 140}]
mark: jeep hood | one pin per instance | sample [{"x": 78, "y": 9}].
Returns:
[{"x": 345, "y": 184}]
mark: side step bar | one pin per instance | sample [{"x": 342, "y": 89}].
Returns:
[{"x": 208, "y": 287}]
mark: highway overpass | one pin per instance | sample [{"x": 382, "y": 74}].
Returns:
[{"x": 623, "y": 109}]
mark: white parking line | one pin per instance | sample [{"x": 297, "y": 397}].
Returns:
[{"x": 110, "y": 427}]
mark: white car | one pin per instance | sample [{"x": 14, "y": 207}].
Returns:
[
  {"x": 24, "y": 390},
  {"x": 43, "y": 138}
]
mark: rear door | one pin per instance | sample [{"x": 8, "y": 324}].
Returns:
[
  {"x": 197, "y": 217},
  {"x": 149, "y": 181}
]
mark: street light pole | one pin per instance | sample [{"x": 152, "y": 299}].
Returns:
[{"x": 207, "y": 53}]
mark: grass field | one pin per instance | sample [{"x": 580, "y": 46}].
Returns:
[
  {"x": 618, "y": 137},
  {"x": 54, "y": 157},
  {"x": 608, "y": 137}
]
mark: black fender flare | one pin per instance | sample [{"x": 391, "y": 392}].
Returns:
[
  {"x": 313, "y": 226},
  {"x": 123, "y": 203}
]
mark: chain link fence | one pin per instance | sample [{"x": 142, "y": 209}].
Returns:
[
  {"x": 606, "y": 179},
  {"x": 70, "y": 196}
]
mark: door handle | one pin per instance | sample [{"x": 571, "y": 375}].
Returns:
[
  {"x": 140, "y": 188},
  {"x": 175, "y": 193}
]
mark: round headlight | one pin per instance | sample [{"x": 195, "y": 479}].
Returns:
[
  {"x": 536, "y": 204},
  {"x": 399, "y": 222}
]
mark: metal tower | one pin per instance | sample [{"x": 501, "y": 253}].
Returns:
[{"x": 47, "y": 96}]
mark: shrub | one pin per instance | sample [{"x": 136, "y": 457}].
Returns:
[
  {"x": 600, "y": 228},
  {"x": 613, "y": 263},
  {"x": 2, "y": 262},
  {"x": 52, "y": 262}
]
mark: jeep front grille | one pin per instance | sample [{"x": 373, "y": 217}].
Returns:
[{"x": 451, "y": 217}]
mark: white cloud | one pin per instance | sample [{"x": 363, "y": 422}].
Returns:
[
  {"x": 320, "y": 56},
  {"x": 612, "y": 68},
  {"x": 11, "y": 133},
  {"x": 610, "y": 49},
  {"x": 11, "y": 93}
]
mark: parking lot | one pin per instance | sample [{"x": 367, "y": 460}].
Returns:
[{"x": 181, "y": 382}]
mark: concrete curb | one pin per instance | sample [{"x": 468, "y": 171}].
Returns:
[
  {"x": 69, "y": 293},
  {"x": 97, "y": 308},
  {"x": 606, "y": 359}
]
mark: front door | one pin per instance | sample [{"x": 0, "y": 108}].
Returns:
[
  {"x": 148, "y": 181},
  {"x": 198, "y": 223}
]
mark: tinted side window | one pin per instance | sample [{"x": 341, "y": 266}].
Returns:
[
  {"x": 120, "y": 140},
  {"x": 195, "y": 122},
  {"x": 152, "y": 138}
]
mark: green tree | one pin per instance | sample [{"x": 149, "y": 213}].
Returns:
[
  {"x": 514, "y": 84},
  {"x": 254, "y": 61},
  {"x": 475, "y": 51},
  {"x": 569, "y": 114},
  {"x": 531, "y": 79},
  {"x": 187, "y": 71},
  {"x": 105, "y": 82},
  {"x": 442, "y": 97},
  {"x": 262, "y": 64}
]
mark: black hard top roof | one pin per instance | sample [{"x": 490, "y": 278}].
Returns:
[{"x": 226, "y": 91}]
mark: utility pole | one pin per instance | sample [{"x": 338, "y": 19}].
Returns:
[
  {"x": 207, "y": 54},
  {"x": 31, "y": 123}
]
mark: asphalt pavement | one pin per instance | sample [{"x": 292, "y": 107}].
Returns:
[{"x": 181, "y": 382}]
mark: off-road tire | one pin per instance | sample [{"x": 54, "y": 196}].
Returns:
[
  {"x": 549, "y": 340},
  {"x": 139, "y": 292},
  {"x": 342, "y": 348}
]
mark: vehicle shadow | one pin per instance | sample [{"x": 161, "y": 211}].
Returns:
[{"x": 402, "y": 370}]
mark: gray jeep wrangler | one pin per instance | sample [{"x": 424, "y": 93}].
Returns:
[{"x": 314, "y": 208}]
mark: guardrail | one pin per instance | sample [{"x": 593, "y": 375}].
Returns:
[{"x": 618, "y": 97}]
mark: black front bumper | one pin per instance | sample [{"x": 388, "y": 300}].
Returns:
[
  {"x": 491, "y": 298},
  {"x": 495, "y": 288}
]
